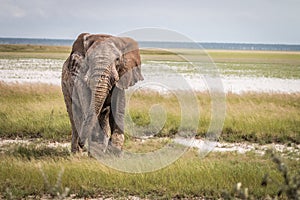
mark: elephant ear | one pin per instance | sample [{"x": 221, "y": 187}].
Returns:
[
  {"x": 129, "y": 70},
  {"x": 75, "y": 60},
  {"x": 78, "y": 45},
  {"x": 75, "y": 64}
]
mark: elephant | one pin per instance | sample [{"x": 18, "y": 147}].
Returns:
[{"x": 94, "y": 78}]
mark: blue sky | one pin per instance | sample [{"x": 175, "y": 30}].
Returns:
[{"x": 250, "y": 21}]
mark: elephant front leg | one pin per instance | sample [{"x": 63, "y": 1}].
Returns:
[
  {"x": 99, "y": 140},
  {"x": 117, "y": 118},
  {"x": 74, "y": 119},
  {"x": 117, "y": 139},
  {"x": 75, "y": 115},
  {"x": 105, "y": 130}
]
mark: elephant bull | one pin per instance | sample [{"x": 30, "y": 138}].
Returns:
[{"x": 94, "y": 77}]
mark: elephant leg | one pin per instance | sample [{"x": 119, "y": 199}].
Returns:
[
  {"x": 105, "y": 130},
  {"x": 102, "y": 128},
  {"x": 75, "y": 120},
  {"x": 74, "y": 143},
  {"x": 83, "y": 114},
  {"x": 87, "y": 128},
  {"x": 117, "y": 118},
  {"x": 67, "y": 91}
]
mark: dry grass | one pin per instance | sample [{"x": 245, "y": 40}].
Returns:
[
  {"x": 33, "y": 110},
  {"x": 38, "y": 110},
  {"x": 255, "y": 117}
]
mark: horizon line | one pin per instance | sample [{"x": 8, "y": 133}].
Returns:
[{"x": 201, "y": 42}]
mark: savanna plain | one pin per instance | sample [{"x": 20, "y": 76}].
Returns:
[{"x": 35, "y": 134}]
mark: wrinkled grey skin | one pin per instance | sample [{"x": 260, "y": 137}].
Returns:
[{"x": 94, "y": 78}]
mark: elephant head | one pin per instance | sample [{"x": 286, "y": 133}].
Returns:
[{"x": 103, "y": 59}]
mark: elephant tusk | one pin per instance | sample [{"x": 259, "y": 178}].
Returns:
[{"x": 86, "y": 79}]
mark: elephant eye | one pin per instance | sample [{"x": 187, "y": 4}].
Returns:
[{"x": 117, "y": 67}]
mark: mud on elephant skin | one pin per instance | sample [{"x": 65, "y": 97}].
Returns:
[{"x": 94, "y": 77}]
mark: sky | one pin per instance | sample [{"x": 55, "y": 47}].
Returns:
[{"x": 242, "y": 21}]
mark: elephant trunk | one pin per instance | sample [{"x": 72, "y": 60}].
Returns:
[
  {"x": 101, "y": 76},
  {"x": 100, "y": 92},
  {"x": 102, "y": 89}
]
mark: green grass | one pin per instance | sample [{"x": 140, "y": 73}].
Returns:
[
  {"x": 187, "y": 177},
  {"x": 38, "y": 111},
  {"x": 270, "y": 70},
  {"x": 33, "y": 111},
  {"x": 33, "y": 51},
  {"x": 223, "y": 56},
  {"x": 237, "y": 56},
  {"x": 250, "y": 70},
  {"x": 219, "y": 56},
  {"x": 262, "y": 118},
  {"x": 36, "y": 150},
  {"x": 253, "y": 117}
]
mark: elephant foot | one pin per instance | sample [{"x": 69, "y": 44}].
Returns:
[
  {"x": 81, "y": 142},
  {"x": 117, "y": 140},
  {"x": 74, "y": 144},
  {"x": 115, "y": 145},
  {"x": 75, "y": 148}
]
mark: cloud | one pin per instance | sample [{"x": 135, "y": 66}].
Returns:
[
  {"x": 8, "y": 10},
  {"x": 18, "y": 12},
  {"x": 270, "y": 21}
]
